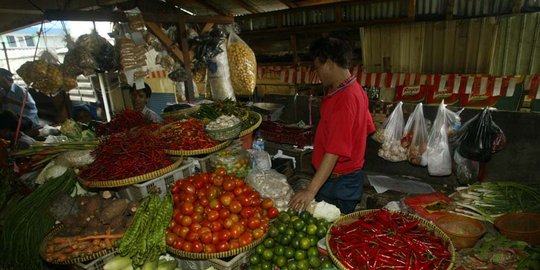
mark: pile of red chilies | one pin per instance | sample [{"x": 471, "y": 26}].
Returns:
[
  {"x": 388, "y": 240},
  {"x": 126, "y": 154},
  {"x": 187, "y": 135},
  {"x": 122, "y": 121}
]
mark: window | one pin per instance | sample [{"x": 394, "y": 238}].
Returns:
[
  {"x": 11, "y": 41},
  {"x": 29, "y": 41},
  {"x": 20, "y": 41}
]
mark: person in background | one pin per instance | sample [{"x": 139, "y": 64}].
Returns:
[
  {"x": 8, "y": 128},
  {"x": 12, "y": 95},
  {"x": 139, "y": 98},
  {"x": 341, "y": 136},
  {"x": 84, "y": 114}
]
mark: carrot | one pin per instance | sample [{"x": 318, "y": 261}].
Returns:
[{"x": 102, "y": 236}]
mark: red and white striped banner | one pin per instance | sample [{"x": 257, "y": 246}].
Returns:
[{"x": 157, "y": 74}]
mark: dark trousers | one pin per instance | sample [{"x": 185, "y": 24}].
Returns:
[{"x": 344, "y": 191}]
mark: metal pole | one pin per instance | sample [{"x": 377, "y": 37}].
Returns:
[
  {"x": 5, "y": 53},
  {"x": 104, "y": 97}
]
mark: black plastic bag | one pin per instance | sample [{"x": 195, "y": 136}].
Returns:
[{"x": 481, "y": 137}]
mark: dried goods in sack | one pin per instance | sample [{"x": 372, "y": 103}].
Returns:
[
  {"x": 243, "y": 65},
  {"x": 438, "y": 152},
  {"x": 415, "y": 137},
  {"x": 391, "y": 148},
  {"x": 481, "y": 137},
  {"x": 220, "y": 78}
]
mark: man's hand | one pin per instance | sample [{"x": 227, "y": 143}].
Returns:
[{"x": 301, "y": 200}]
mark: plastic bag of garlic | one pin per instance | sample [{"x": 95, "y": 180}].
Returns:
[{"x": 391, "y": 148}]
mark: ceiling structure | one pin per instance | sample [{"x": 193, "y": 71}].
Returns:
[{"x": 22, "y": 13}]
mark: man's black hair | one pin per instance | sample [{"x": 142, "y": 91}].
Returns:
[
  {"x": 147, "y": 90},
  {"x": 335, "y": 49},
  {"x": 8, "y": 120}
]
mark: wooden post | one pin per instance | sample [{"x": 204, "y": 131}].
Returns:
[
  {"x": 294, "y": 50},
  {"x": 182, "y": 36},
  {"x": 411, "y": 9}
]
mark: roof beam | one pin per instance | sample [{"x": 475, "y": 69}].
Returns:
[
  {"x": 247, "y": 6},
  {"x": 289, "y": 3},
  {"x": 217, "y": 9}
]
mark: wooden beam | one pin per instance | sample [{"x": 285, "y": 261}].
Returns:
[
  {"x": 182, "y": 36},
  {"x": 116, "y": 16},
  {"x": 217, "y": 9},
  {"x": 288, "y": 3},
  {"x": 207, "y": 27},
  {"x": 165, "y": 40},
  {"x": 248, "y": 6},
  {"x": 20, "y": 11}
]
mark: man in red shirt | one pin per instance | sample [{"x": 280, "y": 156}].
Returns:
[{"x": 340, "y": 139}]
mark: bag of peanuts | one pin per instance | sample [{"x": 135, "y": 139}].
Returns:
[
  {"x": 415, "y": 137},
  {"x": 243, "y": 65},
  {"x": 391, "y": 148},
  {"x": 438, "y": 152}
]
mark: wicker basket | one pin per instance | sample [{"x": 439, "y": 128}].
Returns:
[
  {"x": 180, "y": 114},
  {"x": 428, "y": 225},
  {"x": 225, "y": 134}
]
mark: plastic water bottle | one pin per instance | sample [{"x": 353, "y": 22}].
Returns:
[{"x": 258, "y": 143}]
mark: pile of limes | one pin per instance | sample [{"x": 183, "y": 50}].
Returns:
[{"x": 292, "y": 244}]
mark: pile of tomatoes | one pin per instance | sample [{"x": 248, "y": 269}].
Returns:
[{"x": 217, "y": 212}]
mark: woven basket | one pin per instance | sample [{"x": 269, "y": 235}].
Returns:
[
  {"x": 197, "y": 151},
  {"x": 180, "y": 114},
  {"x": 132, "y": 180},
  {"x": 225, "y": 134},
  {"x": 423, "y": 222},
  {"x": 217, "y": 255},
  {"x": 254, "y": 115},
  {"x": 86, "y": 258}
]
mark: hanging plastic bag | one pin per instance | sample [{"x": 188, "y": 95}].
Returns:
[
  {"x": 481, "y": 137},
  {"x": 391, "y": 148},
  {"x": 438, "y": 152},
  {"x": 415, "y": 137},
  {"x": 242, "y": 58},
  {"x": 466, "y": 170},
  {"x": 271, "y": 184},
  {"x": 219, "y": 77}
]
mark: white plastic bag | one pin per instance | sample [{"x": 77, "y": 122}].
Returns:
[
  {"x": 220, "y": 79},
  {"x": 439, "y": 158},
  {"x": 391, "y": 148},
  {"x": 271, "y": 184}
]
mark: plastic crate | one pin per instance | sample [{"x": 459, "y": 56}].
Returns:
[
  {"x": 186, "y": 264},
  {"x": 204, "y": 164},
  {"x": 234, "y": 264},
  {"x": 136, "y": 192},
  {"x": 96, "y": 264}
]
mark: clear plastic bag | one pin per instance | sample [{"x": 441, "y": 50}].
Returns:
[
  {"x": 415, "y": 137},
  {"x": 271, "y": 184},
  {"x": 466, "y": 170},
  {"x": 234, "y": 160},
  {"x": 219, "y": 77},
  {"x": 481, "y": 137},
  {"x": 391, "y": 148},
  {"x": 438, "y": 152},
  {"x": 242, "y": 58}
]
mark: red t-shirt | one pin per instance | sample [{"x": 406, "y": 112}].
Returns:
[{"x": 343, "y": 128}]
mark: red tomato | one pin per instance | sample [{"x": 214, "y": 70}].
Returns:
[
  {"x": 224, "y": 213},
  {"x": 213, "y": 215},
  {"x": 237, "y": 230},
  {"x": 204, "y": 229},
  {"x": 178, "y": 218},
  {"x": 199, "y": 182},
  {"x": 170, "y": 238},
  {"x": 234, "y": 244},
  {"x": 212, "y": 192},
  {"x": 175, "y": 189},
  {"x": 238, "y": 191},
  {"x": 204, "y": 201},
  {"x": 222, "y": 246},
  {"x": 216, "y": 226},
  {"x": 187, "y": 208},
  {"x": 172, "y": 223},
  {"x": 235, "y": 218},
  {"x": 220, "y": 171},
  {"x": 244, "y": 199},
  {"x": 257, "y": 233},
  {"x": 198, "y": 247},
  {"x": 235, "y": 207},
  {"x": 267, "y": 203},
  {"x": 247, "y": 212},
  {"x": 197, "y": 217},
  {"x": 215, "y": 238},
  {"x": 186, "y": 221},
  {"x": 229, "y": 184},
  {"x": 176, "y": 199},
  {"x": 254, "y": 223},
  {"x": 239, "y": 182},
  {"x": 224, "y": 235},
  {"x": 215, "y": 204},
  {"x": 226, "y": 198},
  {"x": 273, "y": 212},
  {"x": 195, "y": 227},
  {"x": 183, "y": 232},
  {"x": 178, "y": 244},
  {"x": 192, "y": 236},
  {"x": 227, "y": 223},
  {"x": 201, "y": 193},
  {"x": 217, "y": 180},
  {"x": 206, "y": 237},
  {"x": 186, "y": 246},
  {"x": 246, "y": 238},
  {"x": 189, "y": 187},
  {"x": 209, "y": 248},
  {"x": 189, "y": 197}
]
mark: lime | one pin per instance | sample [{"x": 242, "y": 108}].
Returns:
[
  {"x": 273, "y": 231},
  {"x": 301, "y": 234},
  {"x": 305, "y": 215},
  {"x": 254, "y": 259},
  {"x": 289, "y": 252},
  {"x": 296, "y": 242},
  {"x": 302, "y": 264},
  {"x": 299, "y": 224},
  {"x": 285, "y": 267},
  {"x": 281, "y": 261},
  {"x": 256, "y": 267},
  {"x": 311, "y": 229},
  {"x": 281, "y": 227},
  {"x": 313, "y": 239},
  {"x": 279, "y": 250},
  {"x": 321, "y": 231},
  {"x": 266, "y": 265},
  {"x": 285, "y": 239},
  {"x": 269, "y": 242},
  {"x": 314, "y": 262},
  {"x": 313, "y": 252},
  {"x": 292, "y": 265},
  {"x": 305, "y": 243},
  {"x": 259, "y": 249},
  {"x": 299, "y": 255},
  {"x": 290, "y": 231},
  {"x": 327, "y": 264},
  {"x": 284, "y": 217},
  {"x": 268, "y": 254}
]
